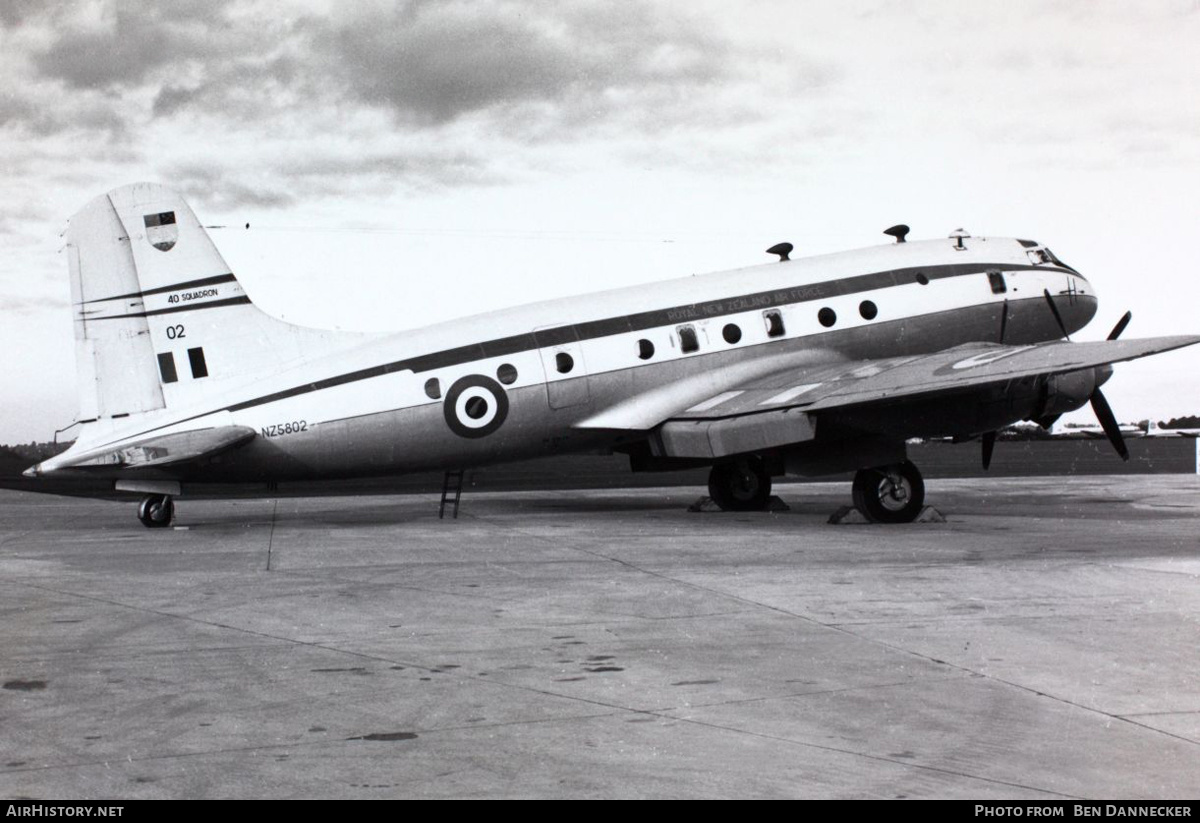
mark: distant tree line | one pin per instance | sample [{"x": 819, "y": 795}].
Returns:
[
  {"x": 38, "y": 451},
  {"x": 15, "y": 459},
  {"x": 1189, "y": 422}
]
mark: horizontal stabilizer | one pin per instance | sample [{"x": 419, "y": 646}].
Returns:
[{"x": 159, "y": 451}]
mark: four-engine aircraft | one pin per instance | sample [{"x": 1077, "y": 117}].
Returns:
[{"x": 800, "y": 367}]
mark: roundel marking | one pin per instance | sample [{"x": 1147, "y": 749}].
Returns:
[
  {"x": 475, "y": 406},
  {"x": 988, "y": 357}
]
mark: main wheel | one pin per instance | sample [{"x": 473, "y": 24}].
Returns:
[
  {"x": 156, "y": 511},
  {"x": 890, "y": 494},
  {"x": 742, "y": 486}
]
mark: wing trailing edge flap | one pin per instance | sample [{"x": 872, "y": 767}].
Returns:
[
  {"x": 779, "y": 409},
  {"x": 165, "y": 450},
  {"x": 733, "y": 435}
]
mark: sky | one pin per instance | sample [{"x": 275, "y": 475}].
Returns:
[{"x": 401, "y": 163}]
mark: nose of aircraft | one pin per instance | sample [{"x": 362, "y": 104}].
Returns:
[{"x": 1077, "y": 302}]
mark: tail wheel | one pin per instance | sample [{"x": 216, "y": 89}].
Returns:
[
  {"x": 156, "y": 511},
  {"x": 740, "y": 487},
  {"x": 890, "y": 494}
]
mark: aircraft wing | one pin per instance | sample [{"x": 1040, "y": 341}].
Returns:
[
  {"x": 779, "y": 408},
  {"x": 157, "y": 451}
]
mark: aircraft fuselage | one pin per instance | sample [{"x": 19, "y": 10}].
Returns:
[{"x": 600, "y": 370}]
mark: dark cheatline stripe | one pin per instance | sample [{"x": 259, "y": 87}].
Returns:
[
  {"x": 639, "y": 322},
  {"x": 636, "y": 322},
  {"x": 215, "y": 304},
  {"x": 190, "y": 284}
]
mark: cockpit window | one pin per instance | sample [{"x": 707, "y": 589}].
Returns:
[
  {"x": 1056, "y": 261},
  {"x": 1046, "y": 257}
]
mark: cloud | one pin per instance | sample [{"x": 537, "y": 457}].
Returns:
[
  {"x": 122, "y": 43},
  {"x": 226, "y": 186},
  {"x": 259, "y": 103},
  {"x": 427, "y": 64},
  {"x": 14, "y": 13},
  {"x": 431, "y": 63},
  {"x": 39, "y": 116}
]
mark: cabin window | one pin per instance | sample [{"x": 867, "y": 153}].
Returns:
[
  {"x": 922, "y": 279},
  {"x": 196, "y": 361},
  {"x": 868, "y": 310},
  {"x": 564, "y": 362},
  {"x": 827, "y": 317},
  {"x": 688, "y": 341},
  {"x": 433, "y": 389},
  {"x": 731, "y": 333},
  {"x": 774, "y": 321},
  {"x": 507, "y": 374},
  {"x": 996, "y": 281},
  {"x": 166, "y": 367},
  {"x": 645, "y": 349}
]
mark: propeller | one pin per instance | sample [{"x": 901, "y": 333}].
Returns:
[
  {"x": 1058, "y": 317},
  {"x": 1108, "y": 422},
  {"x": 1100, "y": 407},
  {"x": 988, "y": 440},
  {"x": 1121, "y": 324},
  {"x": 1103, "y": 411}
]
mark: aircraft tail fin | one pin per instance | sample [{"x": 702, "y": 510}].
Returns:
[{"x": 160, "y": 320}]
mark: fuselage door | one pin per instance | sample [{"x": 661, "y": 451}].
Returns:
[{"x": 562, "y": 360}]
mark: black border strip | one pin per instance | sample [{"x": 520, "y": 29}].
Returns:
[{"x": 190, "y": 284}]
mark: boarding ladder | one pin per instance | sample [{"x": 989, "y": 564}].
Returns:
[{"x": 452, "y": 482}]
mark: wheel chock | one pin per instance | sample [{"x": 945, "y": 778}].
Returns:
[
  {"x": 706, "y": 504},
  {"x": 930, "y": 515},
  {"x": 850, "y": 516}
]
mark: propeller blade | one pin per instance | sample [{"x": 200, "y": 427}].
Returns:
[
  {"x": 989, "y": 443},
  {"x": 1054, "y": 310},
  {"x": 1047, "y": 421},
  {"x": 1120, "y": 327},
  {"x": 1108, "y": 422}
]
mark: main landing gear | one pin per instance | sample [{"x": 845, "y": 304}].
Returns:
[
  {"x": 742, "y": 486},
  {"x": 889, "y": 494},
  {"x": 156, "y": 511},
  {"x": 884, "y": 494}
]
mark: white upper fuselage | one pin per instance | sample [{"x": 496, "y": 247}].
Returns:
[{"x": 387, "y": 394}]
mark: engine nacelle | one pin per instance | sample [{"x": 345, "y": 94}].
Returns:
[{"x": 1067, "y": 392}]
